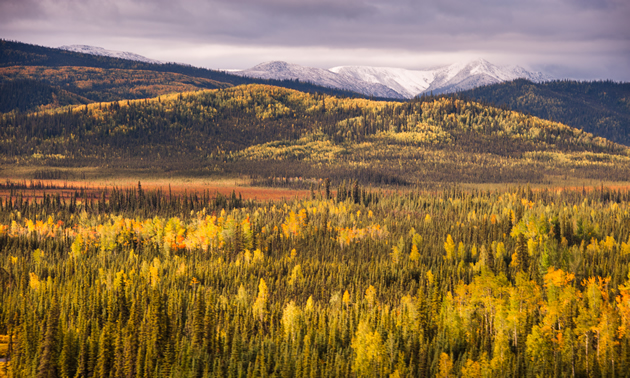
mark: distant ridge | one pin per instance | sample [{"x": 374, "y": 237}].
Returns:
[{"x": 93, "y": 50}]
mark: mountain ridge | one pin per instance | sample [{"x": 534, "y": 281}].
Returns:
[
  {"x": 280, "y": 70},
  {"x": 19, "y": 60},
  {"x": 94, "y": 50},
  {"x": 405, "y": 84}
]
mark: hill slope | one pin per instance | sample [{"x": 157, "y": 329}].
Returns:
[
  {"x": 268, "y": 131},
  {"x": 601, "y": 108},
  {"x": 26, "y": 94},
  {"x": 103, "y": 84}
]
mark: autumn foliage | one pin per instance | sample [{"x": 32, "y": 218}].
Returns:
[{"x": 513, "y": 283}]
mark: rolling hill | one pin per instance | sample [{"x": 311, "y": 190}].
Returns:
[
  {"x": 96, "y": 111},
  {"x": 264, "y": 131}
]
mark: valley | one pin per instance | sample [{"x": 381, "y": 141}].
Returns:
[{"x": 159, "y": 220}]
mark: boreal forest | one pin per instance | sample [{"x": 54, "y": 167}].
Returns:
[
  {"x": 598, "y": 107},
  {"x": 445, "y": 236}
]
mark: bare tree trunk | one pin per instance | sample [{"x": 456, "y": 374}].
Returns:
[{"x": 586, "y": 346}]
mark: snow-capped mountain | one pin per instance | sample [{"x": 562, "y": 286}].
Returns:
[
  {"x": 407, "y": 83},
  {"x": 397, "y": 82},
  {"x": 386, "y": 82},
  {"x": 475, "y": 73},
  {"x": 93, "y": 50},
  {"x": 287, "y": 71}
]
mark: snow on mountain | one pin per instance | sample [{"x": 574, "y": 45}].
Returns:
[
  {"x": 406, "y": 82},
  {"x": 475, "y": 73},
  {"x": 287, "y": 71},
  {"x": 397, "y": 82},
  {"x": 93, "y": 50}
]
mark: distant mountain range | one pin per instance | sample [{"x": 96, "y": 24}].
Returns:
[
  {"x": 397, "y": 82},
  {"x": 382, "y": 82},
  {"x": 93, "y": 50}
]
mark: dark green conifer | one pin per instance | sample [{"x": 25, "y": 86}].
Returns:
[{"x": 48, "y": 360}]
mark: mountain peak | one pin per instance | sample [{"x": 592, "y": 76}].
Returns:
[{"x": 273, "y": 66}]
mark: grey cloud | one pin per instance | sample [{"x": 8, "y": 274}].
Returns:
[{"x": 350, "y": 9}]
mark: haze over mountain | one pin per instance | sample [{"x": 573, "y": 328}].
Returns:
[{"x": 381, "y": 81}]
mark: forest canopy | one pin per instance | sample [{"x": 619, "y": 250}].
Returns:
[{"x": 510, "y": 283}]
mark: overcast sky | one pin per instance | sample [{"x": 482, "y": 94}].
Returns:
[{"x": 581, "y": 39}]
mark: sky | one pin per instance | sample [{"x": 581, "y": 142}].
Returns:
[{"x": 577, "y": 39}]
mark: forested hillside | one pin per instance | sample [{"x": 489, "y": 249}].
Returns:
[
  {"x": 266, "y": 131},
  {"x": 518, "y": 283},
  {"x": 92, "y": 85},
  {"x": 27, "y": 94},
  {"x": 100, "y": 78},
  {"x": 598, "y": 107}
]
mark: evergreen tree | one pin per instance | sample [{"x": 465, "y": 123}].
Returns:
[{"x": 48, "y": 361}]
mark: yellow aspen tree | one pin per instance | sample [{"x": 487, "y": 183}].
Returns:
[
  {"x": 370, "y": 295},
  {"x": 368, "y": 348},
  {"x": 414, "y": 255},
  {"x": 471, "y": 369},
  {"x": 260, "y": 305},
  {"x": 296, "y": 276},
  {"x": 291, "y": 316},
  {"x": 445, "y": 367},
  {"x": 395, "y": 255},
  {"x": 310, "y": 305},
  {"x": 449, "y": 247},
  {"x": 346, "y": 298}
]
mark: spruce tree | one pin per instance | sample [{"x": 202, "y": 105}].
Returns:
[{"x": 48, "y": 359}]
